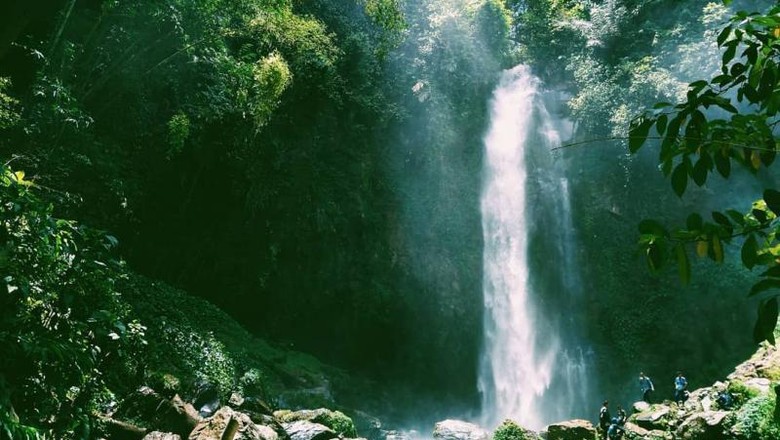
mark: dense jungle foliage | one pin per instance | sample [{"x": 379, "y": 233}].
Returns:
[{"x": 313, "y": 168}]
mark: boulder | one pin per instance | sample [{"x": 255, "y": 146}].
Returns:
[
  {"x": 640, "y": 406},
  {"x": 254, "y": 406},
  {"x": 335, "y": 420},
  {"x": 654, "y": 418},
  {"x": 704, "y": 425},
  {"x": 367, "y": 425},
  {"x": 159, "y": 413},
  {"x": 571, "y": 430},
  {"x": 157, "y": 435},
  {"x": 236, "y": 400},
  {"x": 706, "y": 403},
  {"x": 636, "y": 430},
  {"x": 306, "y": 430},
  {"x": 396, "y": 435},
  {"x": 227, "y": 424},
  {"x": 760, "y": 384},
  {"x": 458, "y": 430},
  {"x": 272, "y": 423},
  {"x": 657, "y": 434}
]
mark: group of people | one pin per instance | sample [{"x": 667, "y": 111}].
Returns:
[
  {"x": 613, "y": 427},
  {"x": 680, "y": 387}
]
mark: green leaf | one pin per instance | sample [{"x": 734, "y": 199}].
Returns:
[
  {"x": 731, "y": 50},
  {"x": 700, "y": 171},
  {"x": 724, "y": 35},
  {"x": 672, "y": 130},
  {"x": 660, "y": 105},
  {"x": 766, "y": 322},
  {"x": 736, "y": 216},
  {"x": 772, "y": 199},
  {"x": 697, "y": 86},
  {"x": 724, "y": 223},
  {"x": 652, "y": 227},
  {"x": 717, "y": 249},
  {"x": 637, "y": 134},
  {"x": 773, "y": 271},
  {"x": 737, "y": 69},
  {"x": 721, "y": 219},
  {"x": 694, "y": 222},
  {"x": 683, "y": 264},
  {"x": 722, "y": 164},
  {"x": 760, "y": 215},
  {"x": 660, "y": 124},
  {"x": 750, "y": 252},
  {"x": 764, "y": 285},
  {"x": 680, "y": 179}
]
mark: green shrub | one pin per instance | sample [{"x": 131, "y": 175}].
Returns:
[
  {"x": 741, "y": 392},
  {"x": 755, "y": 419},
  {"x": 509, "y": 430},
  {"x": 198, "y": 358},
  {"x": 252, "y": 382},
  {"x": 63, "y": 327}
]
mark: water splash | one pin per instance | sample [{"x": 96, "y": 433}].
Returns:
[{"x": 532, "y": 371}]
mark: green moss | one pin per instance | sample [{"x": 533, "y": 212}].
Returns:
[
  {"x": 742, "y": 393},
  {"x": 337, "y": 421},
  {"x": 164, "y": 383}
]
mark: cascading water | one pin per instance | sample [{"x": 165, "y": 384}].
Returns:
[{"x": 533, "y": 368}]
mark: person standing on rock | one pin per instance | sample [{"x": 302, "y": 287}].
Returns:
[
  {"x": 680, "y": 384},
  {"x": 604, "y": 419},
  {"x": 645, "y": 386}
]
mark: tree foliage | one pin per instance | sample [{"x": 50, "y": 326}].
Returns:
[
  {"x": 259, "y": 154},
  {"x": 62, "y": 323},
  {"x": 729, "y": 119}
]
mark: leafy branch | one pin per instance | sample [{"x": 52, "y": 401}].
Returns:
[{"x": 706, "y": 134}]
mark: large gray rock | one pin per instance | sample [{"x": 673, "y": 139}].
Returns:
[
  {"x": 367, "y": 425},
  {"x": 458, "y": 430},
  {"x": 571, "y": 430},
  {"x": 760, "y": 384},
  {"x": 158, "y": 412},
  {"x": 654, "y": 418},
  {"x": 270, "y": 422},
  {"x": 157, "y": 435},
  {"x": 396, "y": 435},
  {"x": 335, "y": 420},
  {"x": 636, "y": 430},
  {"x": 707, "y": 425},
  {"x": 227, "y": 424},
  {"x": 306, "y": 430},
  {"x": 641, "y": 406}
]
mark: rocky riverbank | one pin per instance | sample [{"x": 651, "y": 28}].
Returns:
[{"x": 750, "y": 413}]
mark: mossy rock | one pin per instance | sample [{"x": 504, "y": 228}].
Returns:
[
  {"x": 741, "y": 392},
  {"x": 166, "y": 384},
  {"x": 335, "y": 420}
]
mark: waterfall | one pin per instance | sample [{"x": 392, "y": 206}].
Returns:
[{"x": 533, "y": 370}]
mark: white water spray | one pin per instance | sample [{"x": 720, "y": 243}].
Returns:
[{"x": 528, "y": 373}]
